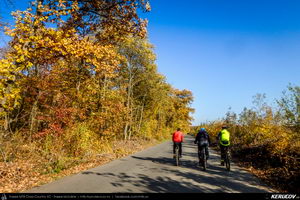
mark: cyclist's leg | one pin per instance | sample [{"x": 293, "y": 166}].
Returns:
[
  {"x": 206, "y": 152},
  {"x": 226, "y": 153},
  {"x": 222, "y": 154},
  {"x": 174, "y": 147},
  {"x": 180, "y": 149},
  {"x": 199, "y": 153}
]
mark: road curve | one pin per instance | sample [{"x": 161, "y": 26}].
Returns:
[{"x": 153, "y": 171}]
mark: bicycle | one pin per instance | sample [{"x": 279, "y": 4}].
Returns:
[{"x": 202, "y": 157}]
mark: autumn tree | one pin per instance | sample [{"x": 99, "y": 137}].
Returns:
[
  {"x": 290, "y": 107},
  {"x": 74, "y": 62},
  {"x": 109, "y": 20},
  {"x": 39, "y": 53},
  {"x": 134, "y": 71},
  {"x": 149, "y": 99}
]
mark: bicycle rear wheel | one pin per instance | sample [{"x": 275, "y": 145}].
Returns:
[
  {"x": 177, "y": 155},
  {"x": 202, "y": 159}
]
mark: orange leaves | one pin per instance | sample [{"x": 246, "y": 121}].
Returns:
[{"x": 14, "y": 176}]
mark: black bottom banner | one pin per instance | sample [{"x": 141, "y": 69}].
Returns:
[{"x": 148, "y": 196}]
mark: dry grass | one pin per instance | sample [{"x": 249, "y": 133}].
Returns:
[
  {"x": 280, "y": 171},
  {"x": 22, "y": 174}
]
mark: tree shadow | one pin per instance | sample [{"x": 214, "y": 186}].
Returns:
[
  {"x": 159, "y": 184},
  {"x": 214, "y": 180},
  {"x": 165, "y": 177},
  {"x": 218, "y": 172}
]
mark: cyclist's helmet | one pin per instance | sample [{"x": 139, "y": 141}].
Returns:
[
  {"x": 202, "y": 129},
  {"x": 224, "y": 126}
]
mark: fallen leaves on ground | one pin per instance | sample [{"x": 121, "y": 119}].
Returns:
[{"x": 22, "y": 175}]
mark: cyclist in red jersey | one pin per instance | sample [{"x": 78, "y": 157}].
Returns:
[{"x": 177, "y": 140}]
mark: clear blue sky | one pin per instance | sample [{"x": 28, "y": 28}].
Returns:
[{"x": 224, "y": 51}]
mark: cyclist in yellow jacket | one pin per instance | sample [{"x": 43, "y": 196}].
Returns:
[{"x": 224, "y": 142}]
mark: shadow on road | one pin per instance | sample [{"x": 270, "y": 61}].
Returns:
[
  {"x": 161, "y": 175},
  {"x": 215, "y": 179},
  {"x": 158, "y": 185},
  {"x": 239, "y": 181}
]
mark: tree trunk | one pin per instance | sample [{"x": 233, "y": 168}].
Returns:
[
  {"x": 158, "y": 122},
  {"x": 33, "y": 114},
  {"x": 130, "y": 122},
  {"x": 125, "y": 131},
  {"x": 141, "y": 118},
  {"x": 128, "y": 105}
]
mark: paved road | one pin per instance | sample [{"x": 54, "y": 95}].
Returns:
[{"x": 153, "y": 170}]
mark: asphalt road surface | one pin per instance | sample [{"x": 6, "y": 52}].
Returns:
[{"x": 153, "y": 171}]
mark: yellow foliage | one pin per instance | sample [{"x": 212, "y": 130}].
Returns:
[{"x": 34, "y": 47}]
